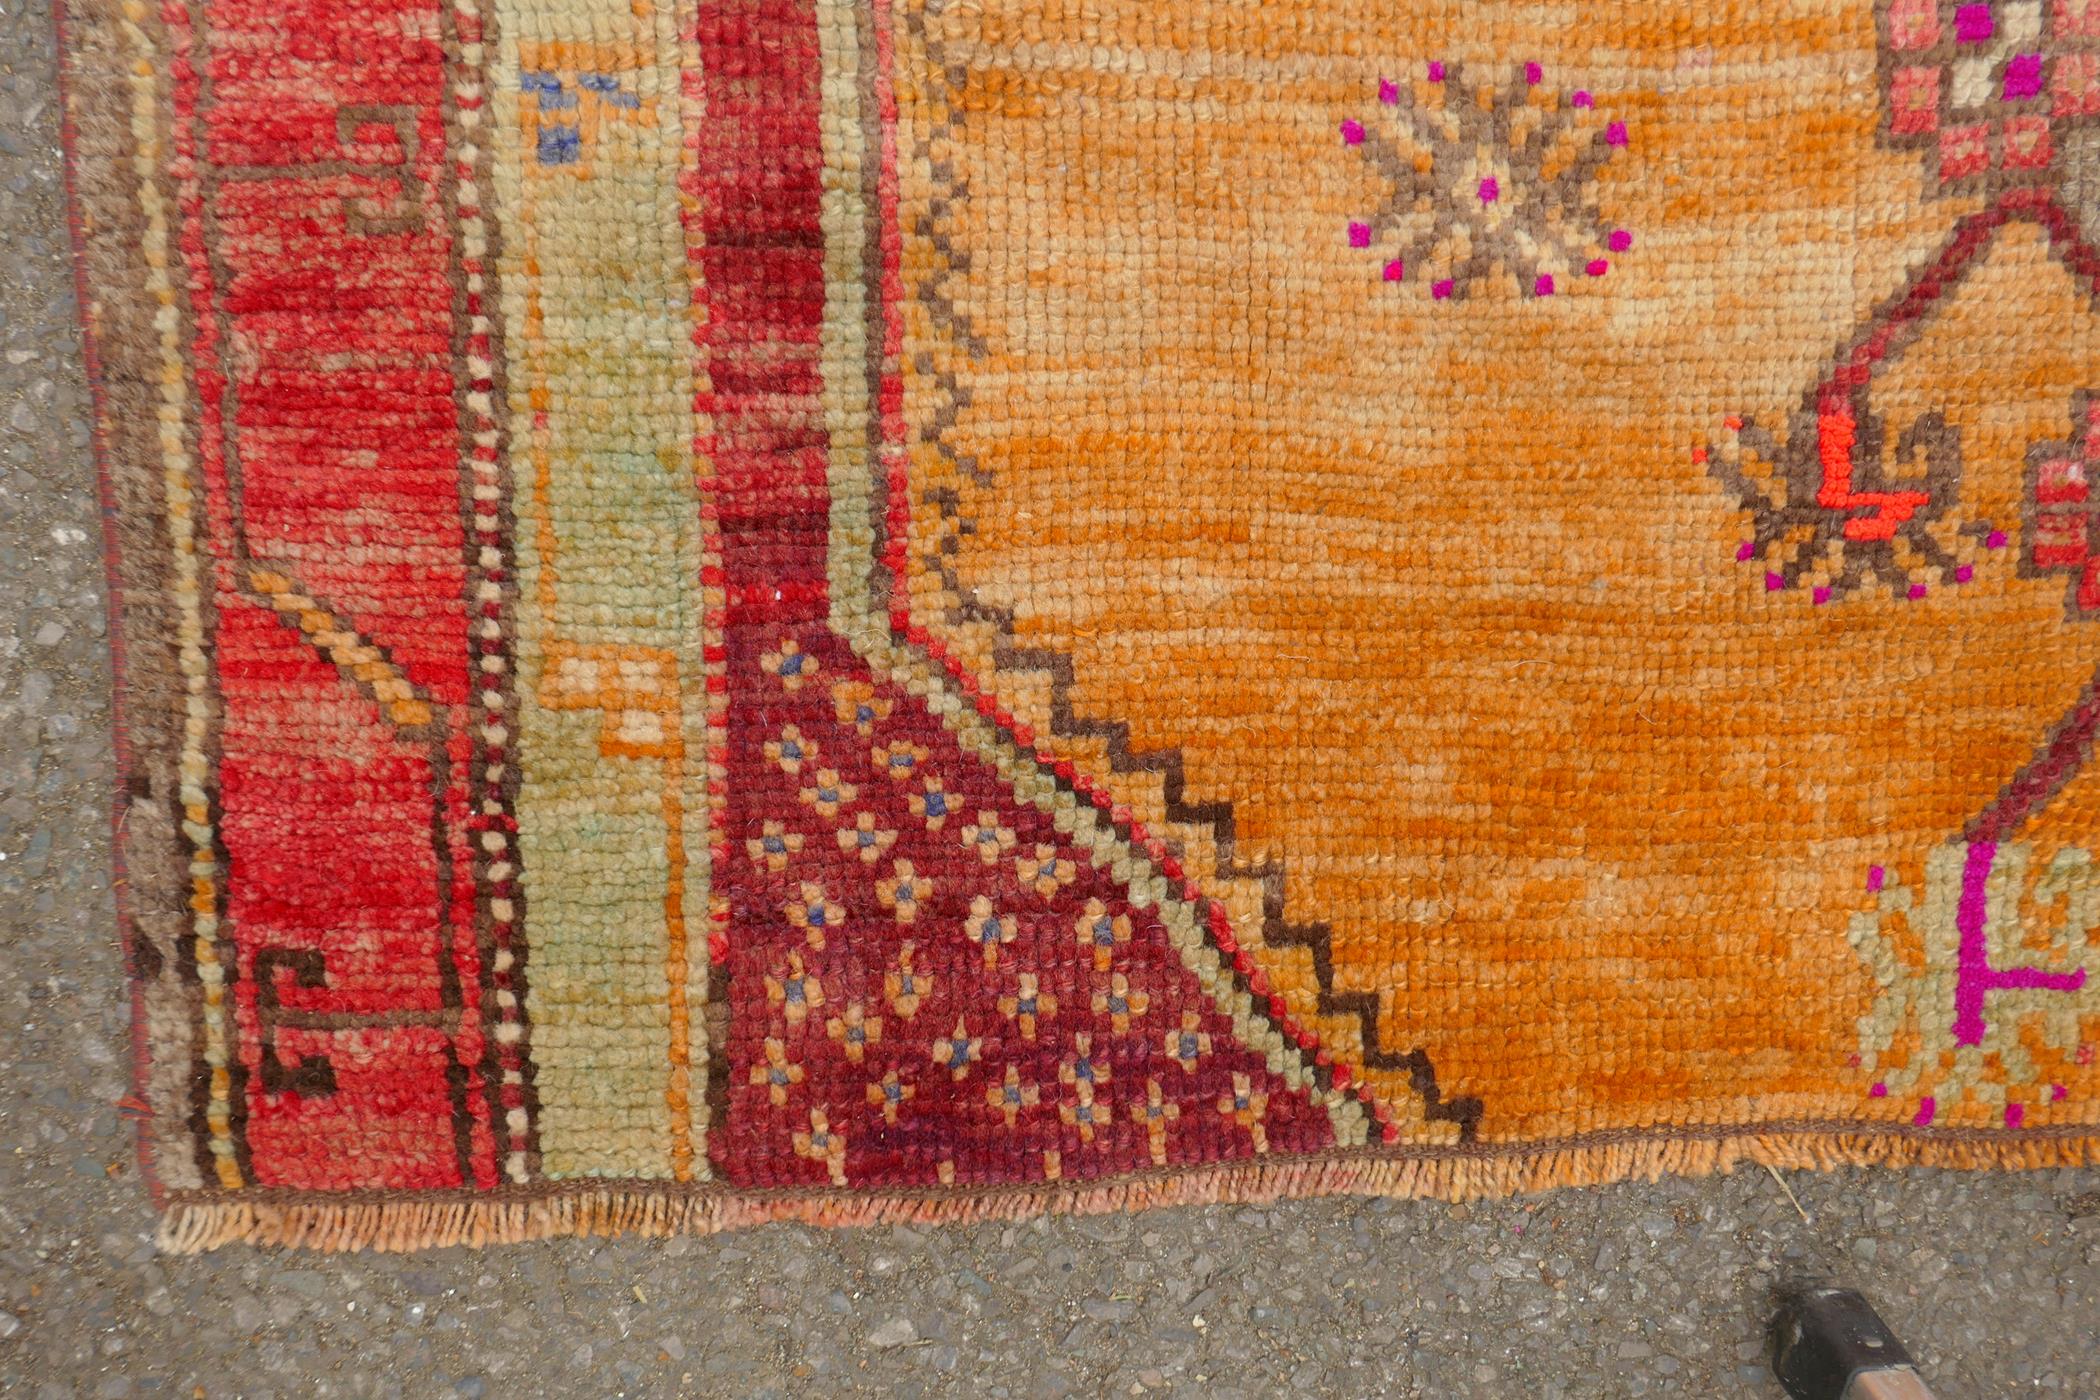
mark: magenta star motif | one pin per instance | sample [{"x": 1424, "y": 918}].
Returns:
[{"x": 1482, "y": 179}]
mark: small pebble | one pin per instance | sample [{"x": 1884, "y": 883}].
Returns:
[{"x": 896, "y": 1332}]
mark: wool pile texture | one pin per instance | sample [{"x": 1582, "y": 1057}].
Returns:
[{"x": 868, "y": 610}]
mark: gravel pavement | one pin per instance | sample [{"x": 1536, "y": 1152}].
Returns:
[{"x": 1633, "y": 1290}]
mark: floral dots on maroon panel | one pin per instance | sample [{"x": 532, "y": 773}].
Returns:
[{"x": 984, "y": 1005}]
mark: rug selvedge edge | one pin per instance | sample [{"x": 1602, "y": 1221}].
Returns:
[{"x": 110, "y": 285}]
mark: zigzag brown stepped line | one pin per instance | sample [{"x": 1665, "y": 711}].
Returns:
[
  {"x": 1252, "y": 896},
  {"x": 1133, "y": 846},
  {"x": 1038, "y": 681}
]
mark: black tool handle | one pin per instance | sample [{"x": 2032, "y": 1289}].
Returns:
[{"x": 1830, "y": 1344}]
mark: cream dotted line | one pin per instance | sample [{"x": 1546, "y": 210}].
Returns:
[{"x": 495, "y": 860}]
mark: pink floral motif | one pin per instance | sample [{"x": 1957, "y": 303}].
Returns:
[{"x": 1989, "y": 91}]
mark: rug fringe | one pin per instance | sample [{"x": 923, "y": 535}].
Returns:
[{"x": 398, "y": 1225}]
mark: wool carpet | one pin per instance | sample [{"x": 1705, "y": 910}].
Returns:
[{"x": 910, "y": 609}]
